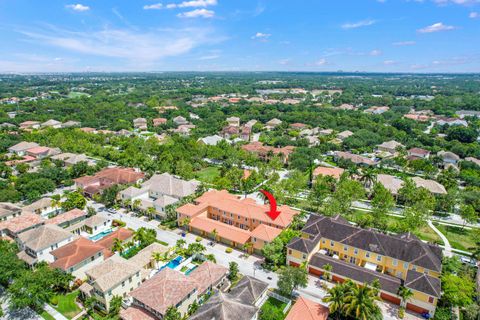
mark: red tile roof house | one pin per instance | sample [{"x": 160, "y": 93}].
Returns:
[
  {"x": 19, "y": 224},
  {"x": 264, "y": 152},
  {"x": 236, "y": 221},
  {"x": 298, "y": 126},
  {"x": 42, "y": 152},
  {"x": 418, "y": 153},
  {"x": 106, "y": 178},
  {"x": 172, "y": 288},
  {"x": 159, "y": 121},
  {"x": 229, "y": 131},
  {"x": 305, "y": 309},
  {"x": 333, "y": 172},
  {"x": 124, "y": 235},
  {"x": 77, "y": 257}
]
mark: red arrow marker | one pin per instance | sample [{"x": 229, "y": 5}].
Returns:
[{"x": 273, "y": 213}]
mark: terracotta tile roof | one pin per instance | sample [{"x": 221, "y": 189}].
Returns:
[
  {"x": 23, "y": 146},
  {"x": 111, "y": 272},
  {"x": 112, "y": 176},
  {"x": 248, "y": 208},
  {"x": 224, "y": 230},
  {"x": 44, "y": 237},
  {"x": 206, "y": 274},
  {"x": 258, "y": 147},
  {"x": 355, "y": 158},
  {"x": 66, "y": 217},
  {"x": 21, "y": 222},
  {"x": 430, "y": 185},
  {"x": 8, "y": 209},
  {"x": 265, "y": 233},
  {"x": 121, "y": 233},
  {"x": 75, "y": 252},
  {"x": 305, "y": 309},
  {"x": 134, "y": 313},
  {"x": 418, "y": 151},
  {"x": 166, "y": 288},
  {"x": 326, "y": 171}
]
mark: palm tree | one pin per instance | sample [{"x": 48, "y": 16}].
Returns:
[
  {"x": 136, "y": 204},
  {"x": 127, "y": 203},
  {"x": 157, "y": 257},
  {"x": 247, "y": 245},
  {"x": 56, "y": 202},
  {"x": 193, "y": 308},
  {"x": 151, "y": 212},
  {"x": 335, "y": 298},
  {"x": 405, "y": 294},
  {"x": 360, "y": 303},
  {"x": 89, "y": 304},
  {"x": 214, "y": 234},
  {"x": 117, "y": 246},
  {"x": 368, "y": 177},
  {"x": 327, "y": 269}
]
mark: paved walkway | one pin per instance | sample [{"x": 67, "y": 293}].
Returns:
[
  {"x": 447, "y": 251},
  {"x": 54, "y": 313}
]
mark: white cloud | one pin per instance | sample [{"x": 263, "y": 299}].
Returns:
[
  {"x": 193, "y": 4},
  {"x": 358, "y": 24},
  {"x": 284, "y": 62},
  {"x": 204, "y": 13},
  {"x": 155, "y": 6},
  {"x": 436, "y": 27},
  {"x": 141, "y": 48},
  {"x": 474, "y": 15},
  {"x": 404, "y": 43},
  {"x": 389, "y": 62},
  {"x": 459, "y": 2},
  {"x": 320, "y": 62},
  {"x": 209, "y": 57},
  {"x": 78, "y": 7},
  {"x": 375, "y": 52},
  {"x": 261, "y": 35}
]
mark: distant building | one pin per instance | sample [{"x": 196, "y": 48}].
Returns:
[
  {"x": 265, "y": 152},
  {"x": 273, "y": 123},
  {"x": 180, "y": 120},
  {"x": 140, "y": 124},
  {"x": 377, "y": 110},
  {"x": 159, "y": 121},
  {"x": 160, "y": 191},
  {"x": 51, "y": 124},
  {"x": 212, "y": 140},
  {"x": 8, "y": 211},
  {"x": 233, "y": 121},
  {"x": 333, "y": 172},
  {"x": 20, "y": 149},
  {"x": 344, "y": 134},
  {"x": 467, "y": 113},
  {"x": 355, "y": 158},
  {"x": 36, "y": 245},
  {"x": 106, "y": 178},
  {"x": 390, "y": 146},
  {"x": 418, "y": 153}
]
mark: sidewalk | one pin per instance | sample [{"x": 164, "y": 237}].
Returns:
[{"x": 54, "y": 313}]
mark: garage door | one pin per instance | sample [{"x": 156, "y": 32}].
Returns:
[
  {"x": 338, "y": 279},
  {"x": 415, "y": 308},
  {"x": 390, "y": 298},
  {"x": 293, "y": 264},
  {"x": 315, "y": 271}
]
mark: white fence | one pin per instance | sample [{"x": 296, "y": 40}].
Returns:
[{"x": 281, "y": 298}]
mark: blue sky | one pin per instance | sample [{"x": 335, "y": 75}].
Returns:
[{"x": 240, "y": 35}]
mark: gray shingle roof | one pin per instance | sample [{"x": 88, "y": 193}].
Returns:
[
  {"x": 405, "y": 247},
  {"x": 423, "y": 283},
  {"x": 249, "y": 289},
  {"x": 224, "y": 306}
]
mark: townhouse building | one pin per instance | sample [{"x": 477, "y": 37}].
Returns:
[{"x": 365, "y": 255}]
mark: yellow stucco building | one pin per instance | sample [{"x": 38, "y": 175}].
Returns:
[{"x": 365, "y": 255}]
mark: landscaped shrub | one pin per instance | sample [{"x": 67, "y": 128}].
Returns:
[
  {"x": 229, "y": 250},
  {"x": 401, "y": 312},
  {"x": 54, "y": 300},
  {"x": 198, "y": 239},
  {"x": 118, "y": 223}
]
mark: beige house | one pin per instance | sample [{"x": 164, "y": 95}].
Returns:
[{"x": 115, "y": 276}]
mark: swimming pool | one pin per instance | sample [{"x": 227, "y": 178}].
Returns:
[
  {"x": 101, "y": 235},
  {"x": 172, "y": 264}
]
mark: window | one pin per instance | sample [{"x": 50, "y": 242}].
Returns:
[
  {"x": 405, "y": 265},
  {"x": 367, "y": 254},
  {"x": 345, "y": 248},
  {"x": 304, "y": 256},
  {"x": 430, "y": 299},
  {"x": 323, "y": 241},
  {"x": 123, "y": 284},
  {"x": 414, "y": 268},
  {"x": 254, "y": 239},
  {"x": 332, "y": 243},
  {"x": 379, "y": 258},
  {"x": 395, "y": 262},
  {"x": 289, "y": 251},
  {"x": 355, "y": 251}
]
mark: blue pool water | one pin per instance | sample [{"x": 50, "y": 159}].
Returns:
[
  {"x": 172, "y": 264},
  {"x": 100, "y": 235},
  {"x": 190, "y": 270}
]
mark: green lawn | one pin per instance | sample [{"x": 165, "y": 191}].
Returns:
[
  {"x": 462, "y": 239},
  {"x": 272, "y": 309},
  {"x": 75, "y": 94},
  {"x": 67, "y": 306},
  {"x": 45, "y": 315},
  {"x": 209, "y": 174}
]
